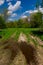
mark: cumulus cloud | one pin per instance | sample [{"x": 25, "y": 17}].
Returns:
[
  {"x": 33, "y": 11},
  {"x": 9, "y": 12},
  {"x": 14, "y": 15},
  {"x": 10, "y": 19},
  {"x": 9, "y": 3},
  {"x": 1, "y": 2},
  {"x": 24, "y": 16},
  {"x": 11, "y": 8},
  {"x": 41, "y": 10},
  {"x": 15, "y": 6},
  {"x": 30, "y": 11}
]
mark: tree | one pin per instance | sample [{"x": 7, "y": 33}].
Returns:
[
  {"x": 2, "y": 22},
  {"x": 23, "y": 23},
  {"x": 20, "y": 23},
  {"x": 41, "y": 27},
  {"x": 37, "y": 4},
  {"x": 5, "y": 14},
  {"x": 42, "y": 4},
  {"x": 36, "y": 19}
]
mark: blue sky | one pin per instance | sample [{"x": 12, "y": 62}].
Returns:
[{"x": 18, "y": 8}]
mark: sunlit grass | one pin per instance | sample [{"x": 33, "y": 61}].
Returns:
[{"x": 6, "y": 33}]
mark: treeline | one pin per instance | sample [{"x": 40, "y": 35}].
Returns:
[
  {"x": 18, "y": 24},
  {"x": 36, "y": 21}
]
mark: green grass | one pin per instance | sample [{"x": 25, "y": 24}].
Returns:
[
  {"x": 35, "y": 42},
  {"x": 6, "y": 33},
  {"x": 38, "y": 34},
  {"x": 41, "y": 37}
]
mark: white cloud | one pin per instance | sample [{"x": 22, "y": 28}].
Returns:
[
  {"x": 30, "y": 11},
  {"x": 9, "y": 3},
  {"x": 14, "y": 15},
  {"x": 24, "y": 16},
  {"x": 9, "y": 12},
  {"x": 33, "y": 11},
  {"x": 41, "y": 10},
  {"x": 10, "y": 19},
  {"x": 14, "y": 7},
  {"x": 2, "y": 2}
]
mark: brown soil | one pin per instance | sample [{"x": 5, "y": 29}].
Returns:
[
  {"x": 22, "y": 52},
  {"x": 29, "y": 52},
  {"x": 22, "y": 38},
  {"x": 39, "y": 49},
  {"x": 39, "y": 41},
  {"x": 40, "y": 55}
]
